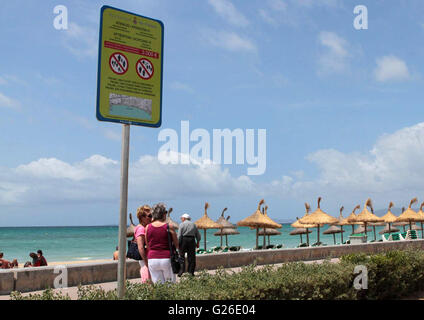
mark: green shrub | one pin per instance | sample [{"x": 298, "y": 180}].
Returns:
[
  {"x": 390, "y": 275},
  {"x": 47, "y": 294}
]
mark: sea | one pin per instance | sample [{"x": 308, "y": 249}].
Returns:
[{"x": 99, "y": 242}]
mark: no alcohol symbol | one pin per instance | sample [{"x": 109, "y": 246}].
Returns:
[
  {"x": 118, "y": 63},
  {"x": 144, "y": 68}
]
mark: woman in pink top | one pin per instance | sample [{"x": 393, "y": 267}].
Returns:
[
  {"x": 158, "y": 253},
  {"x": 144, "y": 216}
]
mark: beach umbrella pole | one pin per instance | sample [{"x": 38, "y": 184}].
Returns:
[
  {"x": 226, "y": 240},
  {"x": 422, "y": 230},
  {"x": 221, "y": 237},
  {"x": 257, "y": 236},
  {"x": 205, "y": 238},
  {"x": 264, "y": 239},
  {"x": 341, "y": 233},
  {"x": 318, "y": 235},
  {"x": 334, "y": 238},
  {"x": 301, "y": 239},
  {"x": 366, "y": 233},
  {"x": 307, "y": 236},
  {"x": 375, "y": 237}
]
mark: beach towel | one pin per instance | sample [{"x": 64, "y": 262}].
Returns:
[{"x": 145, "y": 274}]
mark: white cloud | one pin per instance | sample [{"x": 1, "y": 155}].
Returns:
[
  {"x": 7, "y": 102},
  {"x": 50, "y": 180},
  {"x": 390, "y": 170},
  {"x": 334, "y": 59},
  {"x": 81, "y": 41},
  {"x": 391, "y": 68},
  {"x": 230, "y": 41},
  {"x": 228, "y": 12}
]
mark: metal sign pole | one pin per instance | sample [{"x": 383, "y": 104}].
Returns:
[{"x": 123, "y": 210}]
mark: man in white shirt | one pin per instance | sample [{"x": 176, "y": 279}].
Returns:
[{"x": 189, "y": 239}]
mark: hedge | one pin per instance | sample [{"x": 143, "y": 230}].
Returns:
[{"x": 391, "y": 275}]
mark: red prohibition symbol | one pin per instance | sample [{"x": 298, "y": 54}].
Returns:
[
  {"x": 144, "y": 68},
  {"x": 118, "y": 62}
]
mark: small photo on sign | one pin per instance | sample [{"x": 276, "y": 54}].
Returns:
[{"x": 128, "y": 106}]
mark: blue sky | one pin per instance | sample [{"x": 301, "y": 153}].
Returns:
[{"x": 342, "y": 109}]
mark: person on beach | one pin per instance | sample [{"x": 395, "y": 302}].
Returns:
[
  {"x": 42, "y": 261},
  {"x": 158, "y": 247},
  {"x": 144, "y": 215},
  {"x": 34, "y": 258},
  {"x": 6, "y": 264},
  {"x": 34, "y": 262},
  {"x": 189, "y": 239},
  {"x": 116, "y": 253}
]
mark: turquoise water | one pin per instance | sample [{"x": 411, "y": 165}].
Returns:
[
  {"x": 89, "y": 243},
  {"x": 129, "y": 112}
]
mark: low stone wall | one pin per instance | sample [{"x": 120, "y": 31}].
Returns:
[
  {"x": 6, "y": 282},
  {"x": 32, "y": 279}
]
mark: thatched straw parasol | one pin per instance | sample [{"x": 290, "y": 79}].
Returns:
[
  {"x": 366, "y": 216},
  {"x": 258, "y": 220},
  {"x": 226, "y": 232},
  {"x": 389, "y": 217},
  {"x": 300, "y": 231},
  {"x": 376, "y": 224},
  {"x": 342, "y": 222},
  {"x": 299, "y": 225},
  {"x": 318, "y": 217},
  {"x": 224, "y": 223},
  {"x": 401, "y": 224},
  {"x": 361, "y": 229},
  {"x": 269, "y": 232},
  {"x": 131, "y": 228},
  {"x": 421, "y": 214},
  {"x": 206, "y": 223},
  {"x": 277, "y": 225},
  {"x": 352, "y": 217},
  {"x": 333, "y": 230},
  {"x": 171, "y": 222},
  {"x": 409, "y": 215},
  {"x": 388, "y": 229}
]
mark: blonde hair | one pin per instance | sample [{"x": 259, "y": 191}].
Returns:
[{"x": 140, "y": 210}]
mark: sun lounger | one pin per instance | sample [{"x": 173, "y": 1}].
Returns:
[
  {"x": 384, "y": 239},
  {"x": 302, "y": 245},
  {"x": 279, "y": 246},
  {"x": 319, "y": 244},
  {"x": 396, "y": 237},
  {"x": 235, "y": 248},
  {"x": 411, "y": 235}
]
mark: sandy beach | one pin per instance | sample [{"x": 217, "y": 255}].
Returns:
[{"x": 60, "y": 263}]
